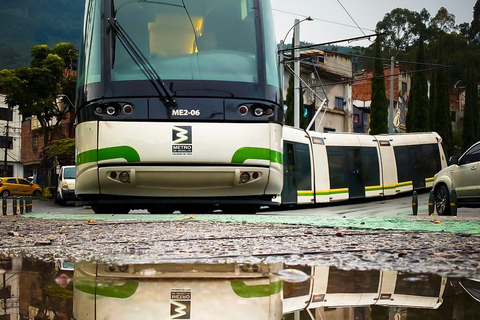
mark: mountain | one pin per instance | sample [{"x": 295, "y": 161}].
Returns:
[{"x": 26, "y": 23}]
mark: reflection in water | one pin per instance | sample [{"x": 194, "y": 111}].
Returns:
[{"x": 35, "y": 289}]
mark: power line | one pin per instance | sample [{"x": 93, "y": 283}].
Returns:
[
  {"x": 361, "y": 30},
  {"x": 322, "y": 20}
]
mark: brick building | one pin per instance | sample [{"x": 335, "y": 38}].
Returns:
[
  {"x": 362, "y": 92},
  {"x": 33, "y": 141}
]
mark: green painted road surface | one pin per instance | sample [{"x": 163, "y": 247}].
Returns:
[{"x": 399, "y": 223}]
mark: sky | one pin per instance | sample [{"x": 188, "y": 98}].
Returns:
[{"x": 331, "y": 18}]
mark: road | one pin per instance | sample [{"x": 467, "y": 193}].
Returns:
[
  {"x": 393, "y": 207},
  {"x": 365, "y": 235}
]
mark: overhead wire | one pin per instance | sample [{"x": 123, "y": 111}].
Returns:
[
  {"x": 361, "y": 30},
  {"x": 320, "y": 19}
]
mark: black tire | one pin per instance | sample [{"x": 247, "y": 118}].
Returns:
[
  {"x": 5, "y": 193},
  {"x": 240, "y": 209},
  {"x": 110, "y": 209},
  {"x": 442, "y": 200},
  {"x": 37, "y": 193}
]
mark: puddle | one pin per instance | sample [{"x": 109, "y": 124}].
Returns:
[{"x": 36, "y": 289}]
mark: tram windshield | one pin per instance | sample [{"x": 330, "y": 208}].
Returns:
[{"x": 189, "y": 39}]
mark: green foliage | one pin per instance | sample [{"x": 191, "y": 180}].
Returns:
[
  {"x": 474, "y": 31},
  {"x": 442, "y": 124},
  {"x": 379, "y": 104},
  {"x": 30, "y": 22},
  {"x": 417, "y": 116},
  {"x": 47, "y": 194},
  {"x": 471, "y": 117},
  {"x": 63, "y": 149}
]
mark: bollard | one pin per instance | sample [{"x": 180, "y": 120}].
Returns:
[
  {"x": 431, "y": 202},
  {"x": 22, "y": 205},
  {"x": 28, "y": 204},
  {"x": 453, "y": 203},
  {"x": 414, "y": 203},
  {"x": 14, "y": 206},
  {"x": 4, "y": 206}
]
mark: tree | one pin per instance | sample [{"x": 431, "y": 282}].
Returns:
[
  {"x": 474, "y": 30},
  {"x": 417, "y": 116},
  {"x": 35, "y": 89},
  {"x": 402, "y": 28},
  {"x": 470, "y": 122},
  {"x": 442, "y": 124},
  {"x": 379, "y": 104},
  {"x": 443, "y": 21}
]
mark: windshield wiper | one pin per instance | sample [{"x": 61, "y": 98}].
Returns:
[{"x": 165, "y": 95}]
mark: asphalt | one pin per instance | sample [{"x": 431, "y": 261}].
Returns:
[{"x": 449, "y": 246}]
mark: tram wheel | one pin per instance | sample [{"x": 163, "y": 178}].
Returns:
[
  {"x": 161, "y": 209},
  {"x": 240, "y": 209},
  {"x": 196, "y": 208},
  {"x": 110, "y": 209},
  {"x": 442, "y": 200}
]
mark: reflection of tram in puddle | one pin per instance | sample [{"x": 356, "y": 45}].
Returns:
[
  {"x": 241, "y": 291},
  {"x": 177, "y": 291},
  {"x": 334, "y": 288}
]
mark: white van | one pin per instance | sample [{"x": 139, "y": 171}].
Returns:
[{"x": 65, "y": 185}]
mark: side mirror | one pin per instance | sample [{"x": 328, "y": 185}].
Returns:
[{"x": 453, "y": 160}]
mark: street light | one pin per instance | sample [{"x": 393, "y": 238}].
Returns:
[{"x": 297, "y": 22}]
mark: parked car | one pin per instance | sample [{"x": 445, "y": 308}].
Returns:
[
  {"x": 463, "y": 176},
  {"x": 18, "y": 187},
  {"x": 65, "y": 186}
]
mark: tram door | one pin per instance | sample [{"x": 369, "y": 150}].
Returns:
[
  {"x": 289, "y": 192},
  {"x": 355, "y": 173},
  {"x": 297, "y": 171}
]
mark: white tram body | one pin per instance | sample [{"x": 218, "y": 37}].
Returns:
[
  {"x": 176, "y": 291},
  {"x": 329, "y": 167},
  {"x": 330, "y": 287},
  {"x": 221, "y": 153}
]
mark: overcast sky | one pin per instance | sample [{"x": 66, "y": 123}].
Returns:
[{"x": 331, "y": 18}]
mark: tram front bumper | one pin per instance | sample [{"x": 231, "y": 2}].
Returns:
[{"x": 175, "y": 181}]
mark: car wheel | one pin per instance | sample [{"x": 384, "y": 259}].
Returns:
[
  {"x": 5, "y": 193},
  {"x": 37, "y": 193},
  {"x": 442, "y": 200}
]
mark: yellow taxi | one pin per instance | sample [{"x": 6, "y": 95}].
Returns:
[{"x": 18, "y": 187}]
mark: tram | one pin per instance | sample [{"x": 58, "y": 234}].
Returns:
[
  {"x": 178, "y": 104},
  {"x": 329, "y": 167}
]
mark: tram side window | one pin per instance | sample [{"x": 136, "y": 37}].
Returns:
[
  {"x": 403, "y": 164},
  {"x": 303, "y": 167},
  {"x": 353, "y": 281},
  {"x": 430, "y": 160},
  {"x": 337, "y": 167},
  {"x": 371, "y": 167}
]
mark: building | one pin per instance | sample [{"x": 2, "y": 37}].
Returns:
[
  {"x": 362, "y": 93},
  {"x": 329, "y": 74},
  {"x": 33, "y": 141},
  {"x": 10, "y": 119}
]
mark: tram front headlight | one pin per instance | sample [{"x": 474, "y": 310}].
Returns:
[
  {"x": 259, "y": 112},
  {"x": 244, "y": 177},
  {"x": 124, "y": 176},
  {"x": 111, "y": 110}
]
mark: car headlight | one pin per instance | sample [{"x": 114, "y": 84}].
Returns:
[{"x": 64, "y": 186}]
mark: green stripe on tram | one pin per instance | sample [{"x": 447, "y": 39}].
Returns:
[
  {"x": 243, "y": 290},
  {"x": 244, "y": 154},
  {"x": 124, "y": 291},
  {"x": 121, "y": 152}
]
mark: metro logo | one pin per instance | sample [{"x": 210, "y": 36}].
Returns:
[
  {"x": 180, "y": 310},
  {"x": 182, "y": 135}
]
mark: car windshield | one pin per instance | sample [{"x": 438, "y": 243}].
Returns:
[{"x": 69, "y": 173}]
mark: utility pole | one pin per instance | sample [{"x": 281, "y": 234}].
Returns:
[
  {"x": 6, "y": 149},
  {"x": 282, "y": 68},
  {"x": 296, "y": 81},
  {"x": 390, "y": 111}
]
